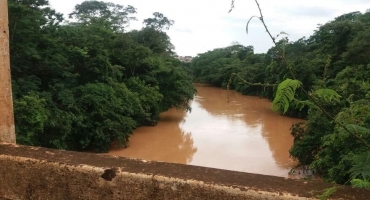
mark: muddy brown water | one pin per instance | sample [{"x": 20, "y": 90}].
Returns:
[{"x": 242, "y": 135}]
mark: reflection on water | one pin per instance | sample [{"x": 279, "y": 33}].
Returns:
[
  {"x": 165, "y": 142},
  {"x": 243, "y": 135}
]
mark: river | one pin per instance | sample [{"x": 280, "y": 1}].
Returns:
[{"x": 242, "y": 135}]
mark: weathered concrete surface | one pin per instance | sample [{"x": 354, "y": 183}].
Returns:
[
  {"x": 39, "y": 173},
  {"x": 7, "y": 132}
]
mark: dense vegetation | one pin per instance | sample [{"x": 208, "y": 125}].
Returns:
[
  {"x": 335, "y": 58},
  {"x": 84, "y": 83}
]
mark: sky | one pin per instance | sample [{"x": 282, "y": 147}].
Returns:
[{"x": 203, "y": 25}]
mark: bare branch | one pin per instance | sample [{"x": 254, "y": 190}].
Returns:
[
  {"x": 248, "y": 22},
  {"x": 232, "y": 6}
]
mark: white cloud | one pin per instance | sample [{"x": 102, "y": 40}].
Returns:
[{"x": 202, "y": 25}]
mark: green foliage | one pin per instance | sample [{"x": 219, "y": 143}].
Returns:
[
  {"x": 327, "y": 193},
  {"x": 175, "y": 85},
  {"x": 33, "y": 115},
  {"x": 215, "y": 67},
  {"x": 353, "y": 82},
  {"x": 358, "y": 130},
  {"x": 361, "y": 169},
  {"x": 285, "y": 94},
  {"x": 150, "y": 99},
  {"x": 307, "y": 136},
  {"x": 339, "y": 150},
  {"x": 327, "y": 95},
  {"x": 113, "y": 16},
  {"x": 302, "y": 104},
  {"x": 84, "y": 84},
  {"x": 157, "y": 41},
  {"x": 360, "y": 183},
  {"x": 110, "y": 113},
  {"x": 159, "y": 22}
]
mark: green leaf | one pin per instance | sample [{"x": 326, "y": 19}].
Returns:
[
  {"x": 285, "y": 94},
  {"x": 360, "y": 183},
  {"x": 301, "y": 104},
  {"x": 328, "y": 192},
  {"x": 361, "y": 167},
  {"x": 358, "y": 130},
  {"x": 327, "y": 95}
]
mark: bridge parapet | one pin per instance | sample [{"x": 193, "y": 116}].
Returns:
[{"x": 40, "y": 173}]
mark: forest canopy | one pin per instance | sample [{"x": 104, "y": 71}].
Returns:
[{"x": 83, "y": 82}]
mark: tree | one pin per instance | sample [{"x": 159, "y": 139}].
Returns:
[
  {"x": 159, "y": 22},
  {"x": 114, "y": 16},
  {"x": 157, "y": 41}
]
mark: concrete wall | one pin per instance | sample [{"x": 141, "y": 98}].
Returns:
[
  {"x": 39, "y": 173},
  {"x": 7, "y": 133}
]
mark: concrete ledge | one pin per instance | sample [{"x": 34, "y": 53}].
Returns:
[{"x": 39, "y": 173}]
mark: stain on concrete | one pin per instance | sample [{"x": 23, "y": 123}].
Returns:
[{"x": 109, "y": 174}]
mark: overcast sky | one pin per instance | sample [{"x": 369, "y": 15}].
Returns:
[{"x": 202, "y": 25}]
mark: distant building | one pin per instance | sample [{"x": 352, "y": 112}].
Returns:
[{"x": 185, "y": 58}]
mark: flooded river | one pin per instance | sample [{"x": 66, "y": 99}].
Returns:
[{"x": 242, "y": 135}]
